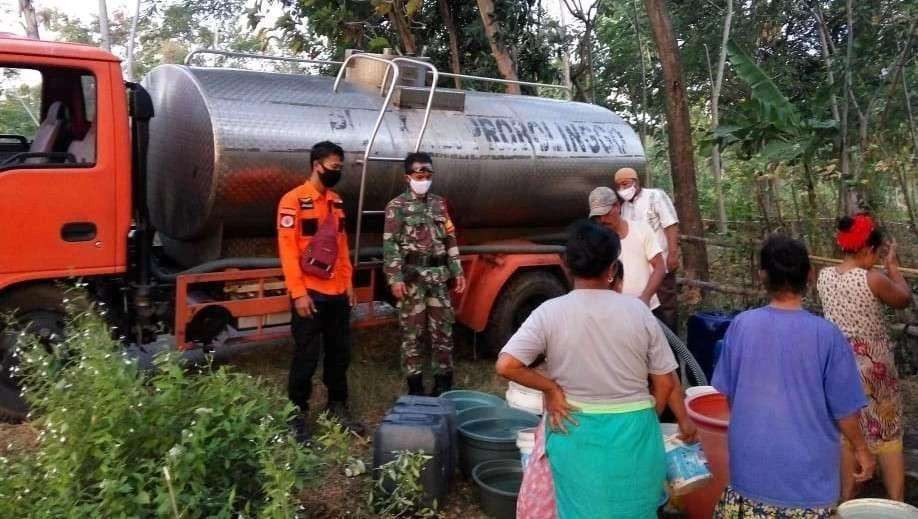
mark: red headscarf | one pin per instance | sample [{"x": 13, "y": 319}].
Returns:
[{"x": 857, "y": 235}]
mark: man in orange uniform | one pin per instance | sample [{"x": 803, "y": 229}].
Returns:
[{"x": 320, "y": 285}]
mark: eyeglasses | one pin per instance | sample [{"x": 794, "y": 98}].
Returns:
[{"x": 423, "y": 169}]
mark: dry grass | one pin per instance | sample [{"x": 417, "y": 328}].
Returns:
[
  {"x": 375, "y": 382},
  {"x": 17, "y": 439}
]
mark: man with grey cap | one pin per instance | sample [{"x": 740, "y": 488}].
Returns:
[
  {"x": 655, "y": 208},
  {"x": 641, "y": 255}
]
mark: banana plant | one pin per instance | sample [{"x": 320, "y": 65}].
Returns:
[
  {"x": 767, "y": 129},
  {"x": 767, "y": 126}
]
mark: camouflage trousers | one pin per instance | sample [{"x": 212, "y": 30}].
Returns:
[{"x": 426, "y": 307}]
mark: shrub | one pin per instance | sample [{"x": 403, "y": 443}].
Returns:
[
  {"x": 116, "y": 442},
  {"x": 398, "y": 492}
]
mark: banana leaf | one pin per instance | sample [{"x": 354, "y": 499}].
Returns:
[{"x": 773, "y": 105}]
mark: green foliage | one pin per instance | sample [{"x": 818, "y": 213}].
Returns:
[
  {"x": 19, "y": 98},
  {"x": 118, "y": 442},
  {"x": 398, "y": 491},
  {"x": 772, "y": 105},
  {"x": 332, "y": 439}
]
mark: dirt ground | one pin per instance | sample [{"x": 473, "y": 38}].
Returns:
[{"x": 375, "y": 384}]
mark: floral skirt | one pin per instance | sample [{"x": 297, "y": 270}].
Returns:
[
  {"x": 881, "y": 420},
  {"x": 732, "y": 505}
]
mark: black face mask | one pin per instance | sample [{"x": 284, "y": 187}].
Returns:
[{"x": 329, "y": 177}]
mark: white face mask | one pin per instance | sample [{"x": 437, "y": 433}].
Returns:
[
  {"x": 420, "y": 187},
  {"x": 627, "y": 193}
]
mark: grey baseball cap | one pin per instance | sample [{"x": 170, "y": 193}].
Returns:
[{"x": 601, "y": 201}]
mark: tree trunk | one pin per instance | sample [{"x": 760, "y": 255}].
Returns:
[
  {"x": 847, "y": 195},
  {"x": 566, "y": 57},
  {"x": 811, "y": 198},
  {"x": 760, "y": 194},
  {"x": 588, "y": 42},
  {"x": 502, "y": 56},
  {"x": 681, "y": 152},
  {"x": 774, "y": 189},
  {"x": 911, "y": 118},
  {"x": 129, "y": 67},
  {"x": 103, "y": 26},
  {"x": 648, "y": 176},
  {"x": 27, "y": 10},
  {"x": 827, "y": 57},
  {"x": 795, "y": 223},
  {"x": 715, "y": 120},
  {"x": 912, "y": 223},
  {"x": 398, "y": 18},
  {"x": 453, "y": 33}
]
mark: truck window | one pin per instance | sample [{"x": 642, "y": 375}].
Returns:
[
  {"x": 47, "y": 118},
  {"x": 20, "y": 109}
]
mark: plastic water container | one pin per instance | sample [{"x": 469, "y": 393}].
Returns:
[
  {"x": 876, "y": 509},
  {"x": 416, "y": 432},
  {"x": 491, "y": 435},
  {"x": 525, "y": 441},
  {"x": 524, "y": 398},
  {"x": 499, "y": 483},
  {"x": 704, "y": 330},
  {"x": 427, "y": 405},
  {"x": 466, "y": 398},
  {"x": 699, "y": 390},
  {"x": 686, "y": 470},
  {"x": 711, "y": 416}
]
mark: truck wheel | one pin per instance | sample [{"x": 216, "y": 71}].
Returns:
[
  {"x": 38, "y": 309},
  {"x": 523, "y": 294}
]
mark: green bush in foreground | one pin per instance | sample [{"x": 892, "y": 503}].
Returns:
[{"x": 119, "y": 443}]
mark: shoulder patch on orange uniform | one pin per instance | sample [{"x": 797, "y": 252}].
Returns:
[{"x": 286, "y": 218}]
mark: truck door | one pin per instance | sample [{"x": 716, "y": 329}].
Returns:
[{"x": 57, "y": 187}]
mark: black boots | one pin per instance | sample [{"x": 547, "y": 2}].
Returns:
[
  {"x": 300, "y": 428},
  {"x": 415, "y": 384},
  {"x": 442, "y": 383},
  {"x": 341, "y": 412}
]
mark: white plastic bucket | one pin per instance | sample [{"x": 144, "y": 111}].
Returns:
[
  {"x": 699, "y": 390},
  {"x": 876, "y": 509},
  {"x": 524, "y": 398},
  {"x": 525, "y": 440}
]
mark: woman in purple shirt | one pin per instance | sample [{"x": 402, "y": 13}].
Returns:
[{"x": 794, "y": 390}]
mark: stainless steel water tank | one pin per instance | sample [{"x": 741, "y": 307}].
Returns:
[{"x": 226, "y": 144}]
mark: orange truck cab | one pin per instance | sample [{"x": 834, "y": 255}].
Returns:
[{"x": 72, "y": 181}]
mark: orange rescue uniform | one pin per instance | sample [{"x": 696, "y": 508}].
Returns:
[{"x": 299, "y": 215}]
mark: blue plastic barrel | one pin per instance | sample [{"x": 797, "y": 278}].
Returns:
[{"x": 704, "y": 330}]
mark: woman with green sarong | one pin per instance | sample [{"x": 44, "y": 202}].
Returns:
[{"x": 603, "y": 437}]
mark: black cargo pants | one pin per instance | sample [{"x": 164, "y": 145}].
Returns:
[{"x": 329, "y": 326}]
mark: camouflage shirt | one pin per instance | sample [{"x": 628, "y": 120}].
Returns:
[{"x": 418, "y": 225}]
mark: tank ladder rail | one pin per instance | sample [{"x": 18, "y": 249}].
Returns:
[
  {"x": 485, "y": 79},
  {"x": 268, "y": 57},
  {"x": 366, "y": 153},
  {"x": 430, "y": 95},
  {"x": 393, "y": 63}
]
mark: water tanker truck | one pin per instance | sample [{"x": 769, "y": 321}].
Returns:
[{"x": 161, "y": 196}]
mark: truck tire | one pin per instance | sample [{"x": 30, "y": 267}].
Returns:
[
  {"x": 36, "y": 309},
  {"x": 523, "y": 294}
]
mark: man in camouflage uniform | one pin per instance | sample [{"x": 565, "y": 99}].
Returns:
[{"x": 421, "y": 256}]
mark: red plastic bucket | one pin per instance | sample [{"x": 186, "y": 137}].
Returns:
[{"x": 711, "y": 415}]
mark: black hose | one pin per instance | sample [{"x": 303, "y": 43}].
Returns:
[
  {"x": 214, "y": 266},
  {"x": 685, "y": 356},
  {"x": 265, "y": 263}
]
